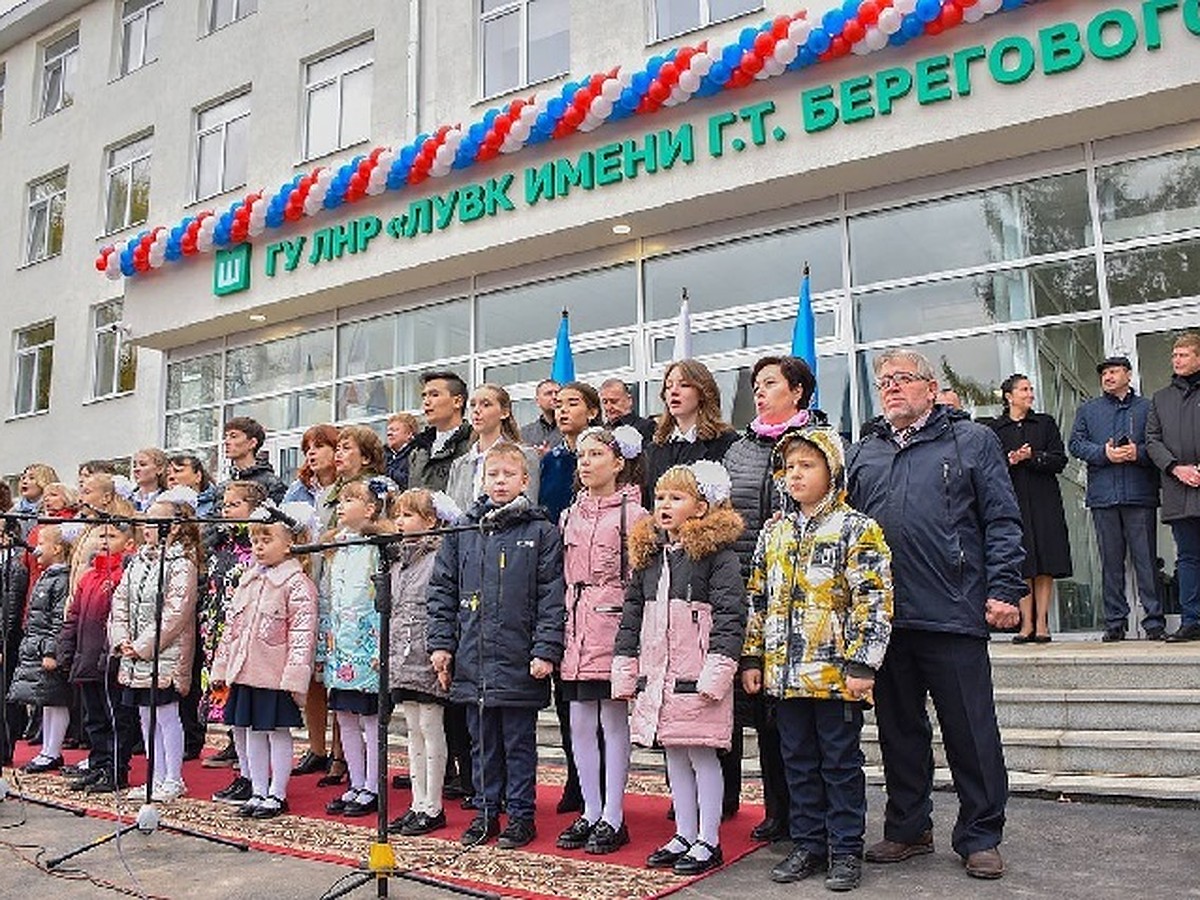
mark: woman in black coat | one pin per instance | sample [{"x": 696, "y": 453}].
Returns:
[{"x": 1035, "y": 451}]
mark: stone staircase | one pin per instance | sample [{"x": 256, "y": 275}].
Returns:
[{"x": 1078, "y": 719}]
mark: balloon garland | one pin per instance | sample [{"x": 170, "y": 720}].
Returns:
[{"x": 786, "y": 43}]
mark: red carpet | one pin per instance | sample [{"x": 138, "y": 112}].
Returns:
[{"x": 539, "y": 870}]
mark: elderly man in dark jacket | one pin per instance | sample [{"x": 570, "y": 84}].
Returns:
[
  {"x": 939, "y": 486},
  {"x": 1173, "y": 442},
  {"x": 1122, "y": 493}
]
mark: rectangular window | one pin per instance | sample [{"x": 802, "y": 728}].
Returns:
[
  {"x": 127, "y": 185},
  {"x": 60, "y": 63},
  {"x": 337, "y": 100},
  {"x": 225, "y": 12},
  {"x": 1150, "y": 196},
  {"x": 141, "y": 30},
  {"x": 34, "y": 360},
  {"x": 222, "y": 136},
  {"x": 114, "y": 359},
  {"x": 673, "y": 17},
  {"x": 44, "y": 221},
  {"x": 523, "y": 42}
]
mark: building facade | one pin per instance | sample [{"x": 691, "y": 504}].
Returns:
[{"x": 1018, "y": 193}]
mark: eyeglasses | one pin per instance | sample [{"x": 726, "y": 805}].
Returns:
[{"x": 897, "y": 379}]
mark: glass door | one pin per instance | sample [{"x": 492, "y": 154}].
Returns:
[{"x": 1147, "y": 339}]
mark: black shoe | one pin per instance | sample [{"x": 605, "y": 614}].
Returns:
[
  {"x": 798, "y": 865},
  {"x": 246, "y": 810},
  {"x": 1156, "y": 634},
  {"x": 1184, "y": 634},
  {"x": 223, "y": 758},
  {"x": 238, "y": 792},
  {"x": 480, "y": 831},
  {"x": 518, "y": 833},
  {"x": 270, "y": 808},
  {"x": 664, "y": 857},
  {"x": 575, "y": 835},
  {"x": 363, "y": 804},
  {"x": 1022, "y": 639},
  {"x": 768, "y": 830},
  {"x": 336, "y": 774},
  {"x": 83, "y": 767},
  {"x": 606, "y": 839},
  {"x": 690, "y": 865},
  {"x": 104, "y": 784},
  {"x": 402, "y": 782},
  {"x": 396, "y": 826},
  {"x": 42, "y": 764},
  {"x": 845, "y": 873},
  {"x": 310, "y": 764},
  {"x": 337, "y": 805},
  {"x": 454, "y": 790},
  {"x": 1113, "y": 635},
  {"x": 81, "y": 783},
  {"x": 423, "y": 823}
]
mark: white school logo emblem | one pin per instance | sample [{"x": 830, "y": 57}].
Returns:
[{"x": 231, "y": 270}]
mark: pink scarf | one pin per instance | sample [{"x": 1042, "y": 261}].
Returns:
[{"x": 774, "y": 430}]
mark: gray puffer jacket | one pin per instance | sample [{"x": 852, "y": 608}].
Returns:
[
  {"x": 1173, "y": 437},
  {"x": 753, "y": 495},
  {"x": 409, "y": 666}
]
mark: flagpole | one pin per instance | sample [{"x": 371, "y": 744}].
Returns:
[{"x": 804, "y": 333}]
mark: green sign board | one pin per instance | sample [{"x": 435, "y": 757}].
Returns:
[{"x": 231, "y": 273}]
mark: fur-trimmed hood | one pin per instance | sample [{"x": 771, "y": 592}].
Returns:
[{"x": 698, "y": 538}]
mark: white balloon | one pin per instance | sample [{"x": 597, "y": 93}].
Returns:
[
  {"x": 971, "y": 14},
  {"x": 625, "y": 78},
  {"x": 204, "y": 241},
  {"x": 860, "y": 48},
  {"x": 785, "y": 51},
  {"x": 798, "y": 31},
  {"x": 890, "y": 20},
  {"x": 113, "y": 265},
  {"x": 256, "y": 228},
  {"x": 904, "y": 7},
  {"x": 325, "y": 178},
  {"x": 600, "y": 108},
  {"x": 990, "y": 6},
  {"x": 875, "y": 39},
  {"x": 438, "y": 170},
  {"x": 679, "y": 95},
  {"x": 590, "y": 122},
  {"x": 374, "y": 188},
  {"x": 312, "y": 205},
  {"x": 700, "y": 64},
  {"x": 610, "y": 90},
  {"x": 689, "y": 81}
]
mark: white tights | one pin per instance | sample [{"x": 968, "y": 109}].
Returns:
[
  {"x": 426, "y": 755},
  {"x": 55, "y": 721},
  {"x": 696, "y": 790},
  {"x": 358, "y": 736},
  {"x": 269, "y": 755},
  {"x": 167, "y": 741},
  {"x": 588, "y": 717}
]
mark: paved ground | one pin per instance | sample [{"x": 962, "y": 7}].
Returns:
[{"x": 1067, "y": 850}]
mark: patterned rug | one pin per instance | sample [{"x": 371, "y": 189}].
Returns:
[{"x": 537, "y": 871}]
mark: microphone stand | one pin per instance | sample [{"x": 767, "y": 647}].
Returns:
[
  {"x": 381, "y": 859},
  {"x": 148, "y": 820},
  {"x": 12, "y": 531}
]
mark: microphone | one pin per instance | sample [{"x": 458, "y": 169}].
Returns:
[{"x": 495, "y": 517}]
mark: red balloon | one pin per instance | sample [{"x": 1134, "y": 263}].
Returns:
[
  {"x": 572, "y": 117},
  {"x": 934, "y": 27},
  {"x": 951, "y": 15},
  {"x": 963, "y": 3},
  {"x": 839, "y": 47},
  {"x": 741, "y": 78},
  {"x": 416, "y": 176},
  {"x": 647, "y": 106},
  {"x": 780, "y": 26},
  {"x": 764, "y": 43},
  {"x": 854, "y": 31},
  {"x": 683, "y": 57},
  {"x": 658, "y": 91},
  {"x": 582, "y": 101},
  {"x": 669, "y": 74},
  {"x": 501, "y": 126},
  {"x": 101, "y": 262},
  {"x": 751, "y": 62},
  {"x": 868, "y": 12},
  {"x": 365, "y": 167},
  {"x": 141, "y": 264}
]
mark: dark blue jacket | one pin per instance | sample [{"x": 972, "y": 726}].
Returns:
[
  {"x": 496, "y": 602},
  {"x": 949, "y": 514},
  {"x": 396, "y": 463},
  {"x": 1115, "y": 484}
]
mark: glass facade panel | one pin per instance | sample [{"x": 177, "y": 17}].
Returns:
[
  {"x": 1150, "y": 196},
  {"x": 1164, "y": 272},
  {"x": 605, "y": 359},
  {"x": 191, "y": 429},
  {"x": 742, "y": 337},
  {"x": 501, "y": 53},
  {"x": 978, "y": 300},
  {"x": 1050, "y": 215},
  {"x": 603, "y": 299},
  {"x": 280, "y": 364},
  {"x": 749, "y": 271},
  {"x": 193, "y": 382},
  {"x": 287, "y": 412},
  {"x": 549, "y": 39}
]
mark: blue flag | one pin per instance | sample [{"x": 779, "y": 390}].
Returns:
[
  {"x": 804, "y": 334},
  {"x": 562, "y": 369}
]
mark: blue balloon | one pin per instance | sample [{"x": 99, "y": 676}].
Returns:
[
  {"x": 407, "y": 155},
  {"x": 127, "y": 268},
  {"x": 1012, "y": 4},
  {"x": 804, "y": 58},
  {"x": 746, "y": 38},
  {"x": 818, "y": 41},
  {"x": 732, "y": 55},
  {"x": 653, "y": 65},
  {"x": 477, "y": 132},
  {"x": 850, "y": 9},
  {"x": 899, "y": 39},
  {"x": 488, "y": 117},
  {"x": 912, "y": 27},
  {"x": 629, "y": 99},
  {"x": 556, "y": 107},
  {"x": 720, "y": 73},
  {"x": 928, "y": 10},
  {"x": 833, "y": 21},
  {"x": 640, "y": 83}
]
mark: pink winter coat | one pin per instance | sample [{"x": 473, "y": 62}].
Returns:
[
  {"x": 679, "y": 642},
  {"x": 270, "y": 630},
  {"x": 597, "y": 569}
]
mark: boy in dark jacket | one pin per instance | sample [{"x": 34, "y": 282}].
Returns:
[
  {"x": 84, "y": 653},
  {"x": 495, "y": 633}
]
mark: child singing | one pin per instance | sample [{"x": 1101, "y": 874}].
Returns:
[
  {"x": 265, "y": 657},
  {"x": 678, "y": 648}
]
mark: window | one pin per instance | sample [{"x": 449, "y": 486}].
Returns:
[
  {"x": 35, "y": 358},
  {"x": 115, "y": 360},
  {"x": 59, "y": 67},
  {"x": 141, "y": 29},
  {"x": 673, "y": 17},
  {"x": 337, "y": 100},
  {"x": 222, "y": 135},
  {"x": 128, "y": 185},
  {"x": 47, "y": 203},
  {"x": 524, "y": 41},
  {"x": 225, "y": 12}
]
